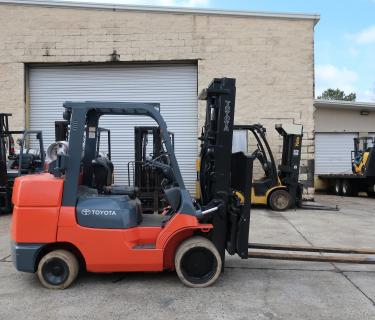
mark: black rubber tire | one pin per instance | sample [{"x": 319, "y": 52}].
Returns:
[
  {"x": 279, "y": 200},
  {"x": 371, "y": 194},
  {"x": 58, "y": 269},
  {"x": 337, "y": 187},
  {"x": 198, "y": 262},
  {"x": 347, "y": 189}
]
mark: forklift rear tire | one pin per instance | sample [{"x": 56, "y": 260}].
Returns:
[
  {"x": 58, "y": 269},
  {"x": 198, "y": 262},
  {"x": 279, "y": 200}
]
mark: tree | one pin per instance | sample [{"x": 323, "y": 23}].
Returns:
[{"x": 337, "y": 94}]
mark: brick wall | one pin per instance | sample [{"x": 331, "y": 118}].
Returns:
[{"x": 271, "y": 58}]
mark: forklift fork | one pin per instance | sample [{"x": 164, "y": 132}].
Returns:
[{"x": 343, "y": 255}]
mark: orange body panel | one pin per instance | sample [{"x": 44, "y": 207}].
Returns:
[
  {"x": 35, "y": 225},
  {"x": 37, "y": 201},
  {"x": 113, "y": 250},
  {"x": 38, "y": 190},
  {"x": 178, "y": 223}
]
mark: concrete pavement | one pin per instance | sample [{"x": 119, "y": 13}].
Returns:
[{"x": 248, "y": 289}]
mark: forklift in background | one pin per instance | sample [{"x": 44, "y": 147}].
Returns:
[
  {"x": 148, "y": 144},
  {"x": 62, "y": 137},
  {"x": 279, "y": 187},
  {"x": 14, "y": 163},
  {"x": 361, "y": 153}
]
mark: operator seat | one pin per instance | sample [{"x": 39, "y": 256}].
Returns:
[
  {"x": 103, "y": 171},
  {"x": 115, "y": 196},
  {"x": 103, "y": 178}
]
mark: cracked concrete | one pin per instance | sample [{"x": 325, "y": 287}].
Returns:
[{"x": 248, "y": 289}]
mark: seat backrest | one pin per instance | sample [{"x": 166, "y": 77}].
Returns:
[
  {"x": 173, "y": 196},
  {"x": 102, "y": 171}
]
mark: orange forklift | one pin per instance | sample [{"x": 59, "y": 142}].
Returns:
[{"x": 74, "y": 218}]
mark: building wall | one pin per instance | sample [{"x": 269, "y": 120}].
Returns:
[
  {"x": 336, "y": 120},
  {"x": 271, "y": 58}
]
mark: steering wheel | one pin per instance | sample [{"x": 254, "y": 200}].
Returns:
[{"x": 166, "y": 169}]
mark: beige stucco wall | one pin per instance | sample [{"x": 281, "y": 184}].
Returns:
[
  {"x": 271, "y": 58},
  {"x": 341, "y": 120}
]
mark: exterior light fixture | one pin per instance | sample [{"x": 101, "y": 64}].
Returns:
[{"x": 114, "y": 56}]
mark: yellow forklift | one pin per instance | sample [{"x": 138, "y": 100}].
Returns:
[
  {"x": 278, "y": 188},
  {"x": 360, "y": 155}
]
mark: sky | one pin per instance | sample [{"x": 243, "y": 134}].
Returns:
[{"x": 344, "y": 37}]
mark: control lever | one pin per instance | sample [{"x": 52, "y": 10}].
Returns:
[
  {"x": 210, "y": 210},
  {"x": 202, "y": 214}
]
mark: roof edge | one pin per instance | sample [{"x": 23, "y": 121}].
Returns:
[
  {"x": 346, "y": 105},
  {"x": 165, "y": 9}
]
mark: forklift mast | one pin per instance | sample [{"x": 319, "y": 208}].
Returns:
[
  {"x": 358, "y": 149},
  {"x": 61, "y": 130},
  {"x": 291, "y": 159},
  {"x": 5, "y": 140},
  {"x": 142, "y": 136},
  {"x": 221, "y": 172}
]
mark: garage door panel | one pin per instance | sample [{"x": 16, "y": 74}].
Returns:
[
  {"x": 173, "y": 86},
  {"x": 333, "y": 152}
]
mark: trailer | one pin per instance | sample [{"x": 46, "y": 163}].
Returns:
[
  {"x": 349, "y": 184},
  {"x": 362, "y": 178}
]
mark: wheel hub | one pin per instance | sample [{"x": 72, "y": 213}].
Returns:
[
  {"x": 55, "y": 271},
  {"x": 281, "y": 201},
  {"x": 198, "y": 265}
]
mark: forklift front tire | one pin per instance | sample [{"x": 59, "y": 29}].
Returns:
[
  {"x": 198, "y": 262},
  {"x": 279, "y": 200},
  {"x": 58, "y": 269}
]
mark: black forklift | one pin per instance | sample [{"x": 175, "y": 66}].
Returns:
[
  {"x": 14, "y": 163},
  {"x": 279, "y": 187},
  {"x": 148, "y": 145}
]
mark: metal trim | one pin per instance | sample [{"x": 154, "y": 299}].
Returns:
[
  {"x": 347, "y": 105},
  {"x": 160, "y": 9}
]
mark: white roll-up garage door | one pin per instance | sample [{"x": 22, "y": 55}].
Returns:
[
  {"x": 173, "y": 86},
  {"x": 333, "y": 152}
]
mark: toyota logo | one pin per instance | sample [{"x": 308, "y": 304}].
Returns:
[{"x": 86, "y": 212}]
